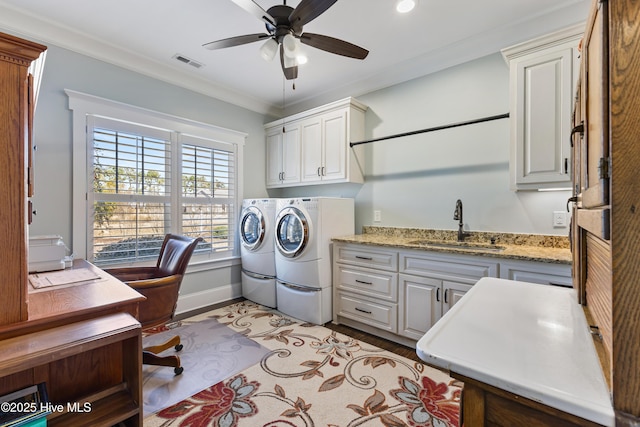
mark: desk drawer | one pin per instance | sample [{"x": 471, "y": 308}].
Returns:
[
  {"x": 378, "y": 314},
  {"x": 374, "y": 283}
]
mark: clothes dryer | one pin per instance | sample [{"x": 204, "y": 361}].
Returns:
[
  {"x": 257, "y": 231},
  {"x": 303, "y": 232}
]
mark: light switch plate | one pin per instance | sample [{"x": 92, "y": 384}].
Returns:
[
  {"x": 377, "y": 216},
  {"x": 559, "y": 219}
]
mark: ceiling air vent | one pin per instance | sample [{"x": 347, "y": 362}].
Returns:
[{"x": 188, "y": 61}]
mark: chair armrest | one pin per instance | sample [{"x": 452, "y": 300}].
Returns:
[
  {"x": 151, "y": 283},
  {"x": 128, "y": 274}
]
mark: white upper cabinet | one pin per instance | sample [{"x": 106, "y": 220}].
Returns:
[
  {"x": 543, "y": 76},
  {"x": 283, "y": 156},
  {"x": 323, "y": 151}
]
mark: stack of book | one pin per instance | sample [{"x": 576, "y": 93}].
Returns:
[{"x": 27, "y": 407}]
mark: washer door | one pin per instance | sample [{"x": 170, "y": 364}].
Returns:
[
  {"x": 292, "y": 232},
  {"x": 252, "y": 228}
]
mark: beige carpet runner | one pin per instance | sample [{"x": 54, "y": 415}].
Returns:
[{"x": 312, "y": 377}]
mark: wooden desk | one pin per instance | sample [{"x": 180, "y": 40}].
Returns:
[
  {"x": 57, "y": 306},
  {"x": 85, "y": 343}
]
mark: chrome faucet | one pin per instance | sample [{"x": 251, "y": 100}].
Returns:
[{"x": 457, "y": 216}]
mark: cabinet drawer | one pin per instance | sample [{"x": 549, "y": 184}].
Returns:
[
  {"x": 463, "y": 269},
  {"x": 378, "y": 314},
  {"x": 374, "y": 283},
  {"x": 365, "y": 257},
  {"x": 537, "y": 272}
]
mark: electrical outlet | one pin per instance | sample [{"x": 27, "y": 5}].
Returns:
[
  {"x": 559, "y": 219},
  {"x": 377, "y": 216}
]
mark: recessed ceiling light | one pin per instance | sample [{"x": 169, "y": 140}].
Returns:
[{"x": 404, "y": 6}]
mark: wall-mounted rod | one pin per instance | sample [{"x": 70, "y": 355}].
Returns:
[{"x": 453, "y": 125}]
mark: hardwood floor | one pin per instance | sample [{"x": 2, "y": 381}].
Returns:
[{"x": 399, "y": 349}]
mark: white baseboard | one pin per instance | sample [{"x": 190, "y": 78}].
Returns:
[{"x": 198, "y": 300}]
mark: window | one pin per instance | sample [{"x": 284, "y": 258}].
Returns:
[{"x": 146, "y": 180}]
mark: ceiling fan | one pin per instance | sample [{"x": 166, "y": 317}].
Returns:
[{"x": 284, "y": 26}]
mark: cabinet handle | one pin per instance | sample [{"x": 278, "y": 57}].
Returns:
[
  {"x": 318, "y": 172},
  {"x": 366, "y": 258},
  {"x": 438, "y": 295},
  {"x": 363, "y": 282},
  {"x": 362, "y": 311},
  {"x": 446, "y": 296},
  {"x": 323, "y": 171},
  {"x": 579, "y": 128},
  {"x": 566, "y": 165}
]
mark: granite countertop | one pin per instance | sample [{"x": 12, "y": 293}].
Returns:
[{"x": 526, "y": 247}]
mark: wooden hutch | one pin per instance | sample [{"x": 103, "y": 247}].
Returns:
[
  {"x": 606, "y": 213},
  {"x": 84, "y": 341}
]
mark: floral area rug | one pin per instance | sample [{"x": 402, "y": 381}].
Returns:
[{"x": 314, "y": 377}]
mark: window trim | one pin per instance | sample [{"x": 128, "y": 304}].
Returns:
[{"x": 83, "y": 105}]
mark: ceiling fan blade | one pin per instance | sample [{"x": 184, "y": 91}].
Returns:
[
  {"x": 251, "y": 7},
  {"x": 290, "y": 73},
  {"x": 332, "y": 45},
  {"x": 308, "y": 10},
  {"x": 235, "y": 41}
]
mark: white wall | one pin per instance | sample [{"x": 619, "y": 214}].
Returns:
[{"x": 415, "y": 181}]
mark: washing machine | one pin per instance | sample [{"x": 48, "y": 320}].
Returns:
[
  {"x": 304, "y": 228},
  {"x": 257, "y": 231}
]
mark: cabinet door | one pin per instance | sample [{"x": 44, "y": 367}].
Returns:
[
  {"x": 593, "y": 258},
  {"x": 420, "y": 303},
  {"x": 274, "y": 158},
  {"x": 452, "y": 292},
  {"x": 544, "y": 88},
  {"x": 291, "y": 155},
  {"x": 335, "y": 146},
  {"x": 311, "y": 150},
  {"x": 595, "y": 78}
]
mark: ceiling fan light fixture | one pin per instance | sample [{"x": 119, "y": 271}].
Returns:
[
  {"x": 405, "y": 6},
  {"x": 302, "y": 59},
  {"x": 290, "y": 44},
  {"x": 269, "y": 49},
  {"x": 289, "y": 62}
]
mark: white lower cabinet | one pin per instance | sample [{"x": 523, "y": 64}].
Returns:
[
  {"x": 537, "y": 272},
  {"x": 365, "y": 282},
  {"x": 424, "y": 300},
  {"x": 431, "y": 283},
  {"x": 399, "y": 294}
]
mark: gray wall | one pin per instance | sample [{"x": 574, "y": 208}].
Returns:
[{"x": 415, "y": 181}]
